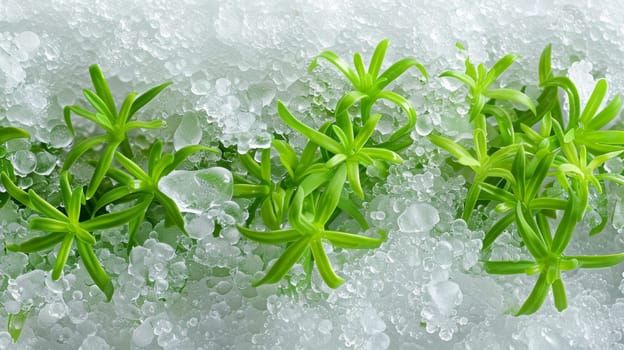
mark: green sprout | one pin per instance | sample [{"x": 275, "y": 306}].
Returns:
[
  {"x": 6, "y": 134},
  {"x": 115, "y": 124},
  {"x": 369, "y": 87},
  {"x": 308, "y": 217},
  {"x": 67, "y": 227}
]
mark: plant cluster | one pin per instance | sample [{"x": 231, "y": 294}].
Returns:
[
  {"x": 299, "y": 206},
  {"x": 520, "y": 154},
  {"x": 518, "y": 157}
]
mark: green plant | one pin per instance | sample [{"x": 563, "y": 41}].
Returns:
[
  {"x": 115, "y": 124},
  {"x": 514, "y": 172},
  {"x": 67, "y": 227},
  {"x": 311, "y": 193}
]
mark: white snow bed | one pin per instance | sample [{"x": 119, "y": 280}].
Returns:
[{"x": 230, "y": 62}]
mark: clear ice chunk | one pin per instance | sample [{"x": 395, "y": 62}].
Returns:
[
  {"x": 418, "y": 217},
  {"x": 199, "y": 190}
]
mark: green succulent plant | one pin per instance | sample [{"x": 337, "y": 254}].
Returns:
[{"x": 116, "y": 124}]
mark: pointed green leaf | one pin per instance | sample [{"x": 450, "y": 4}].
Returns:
[
  {"x": 95, "y": 270},
  {"x": 287, "y": 155},
  {"x": 48, "y": 225},
  {"x": 151, "y": 124},
  {"x": 104, "y": 163},
  {"x": 114, "y": 219},
  {"x": 377, "y": 58},
  {"x": 459, "y": 152},
  {"x": 61, "y": 258},
  {"x": 353, "y": 241},
  {"x": 270, "y": 237},
  {"x": 126, "y": 105},
  {"x": 10, "y": 133},
  {"x": 291, "y": 255},
  {"x": 533, "y": 241},
  {"x": 464, "y": 78},
  {"x": 509, "y": 267},
  {"x": 15, "y": 192},
  {"x": 318, "y": 138},
  {"x": 573, "y": 97},
  {"x": 511, "y": 95},
  {"x": 598, "y": 261},
  {"x": 324, "y": 266},
  {"x": 44, "y": 207},
  {"x": 353, "y": 210},
  {"x": 366, "y": 131},
  {"x": 594, "y": 101},
  {"x": 82, "y": 147},
  {"x": 559, "y": 295},
  {"x": 172, "y": 211},
  {"x": 536, "y": 298},
  {"x": 102, "y": 89},
  {"x": 99, "y": 104},
  {"x": 406, "y": 106},
  {"x": 337, "y": 61},
  {"x": 497, "y": 229},
  {"x": 499, "y": 68},
  {"x": 605, "y": 116},
  {"x": 331, "y": 196},
  {"x": 145, "y": 98},
  {"x": 545, "y": 71},
  {"x": 398, "y": 68},
  {"x": 38, "y": 243},
  {"x": 353, "y": 175}
]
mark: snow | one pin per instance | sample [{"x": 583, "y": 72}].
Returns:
[{"x": 230, "y": 61}]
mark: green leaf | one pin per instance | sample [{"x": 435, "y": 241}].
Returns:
[
  {"x": 509, "y": 267},
  {"x": 125, "y": 106},
  {"x": 133, "y": 228},
  {"x": 111, "y": 196},
  {"x": 155, "y": 154},
  {"x": 460, "y": 153},
  {"x": 536, "y": 298},
  {"x": 38, "y": 243},
  {"x": 377, "y": 58},
  {"x": 270, "y": 237},
  {"x": 353, "y": 210},
  {"x": 496, "y": 193},
  {"x": 75, "y": 202},
  {"x": 503, "y": 120},
  {"x": 99, "y": 104},
  {"x": 353, "y": 175},
  {"x": 406, "y": 106},
  {"x": 381, "y": 153},
  {"x": 605, "y": 116},
  {"x": 398, "y": 68},
  {"x": 245, "y": 190},
  {"x": 10, "y": 133},
  {"x": 15, "y": 323},
  {"x": 110, "y": 220},
  {"x": 597, "y": 261},
  {"x": 82, "y": 147},
  {"x": 471, "y": 200},
  {"x": 464, "y": 78},
  {"x": 353, "y": 241},
  {"x": 172, "y": 210},
  {"x": 291, "y": 255},
  {"x": 102, "y": 89},
  {"x": 497, "y": 229},
  {"x": 314, "y": 136},
  {"x": 145, "y": 98},
  {"x": 366, "y": 131},
  {"x": 545, "y": 71},
  {"x": 132, "y": 167},
  {"x": 61, "y": 258},
  {"x": 337, "y": 61},
  {"x": 151, "y": 124},
  {"x": 331, "y": 196},
  {"x": 15, "y": 191},
  {"x": 44, "y": 207},
  {"x": 48, "y": 225},
  {"x": 95, "y": 270},
  {"x": 323, "y": 265},
  {"x": 532, "y": 240},
  {"x": 343, "y": 106},
  {"x": 287, "y": 155},
  {"x": 499, "y": 68},
  {"x": 559, "y": 295},
  {"x": 573, "y": 97},
  {"x": 594, "y": 101},
  {"x": 511, "y": 95},
  {"x": 106, "y": 159}
]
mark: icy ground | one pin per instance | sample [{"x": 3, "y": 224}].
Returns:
[{"x": 230, "y": 61}]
